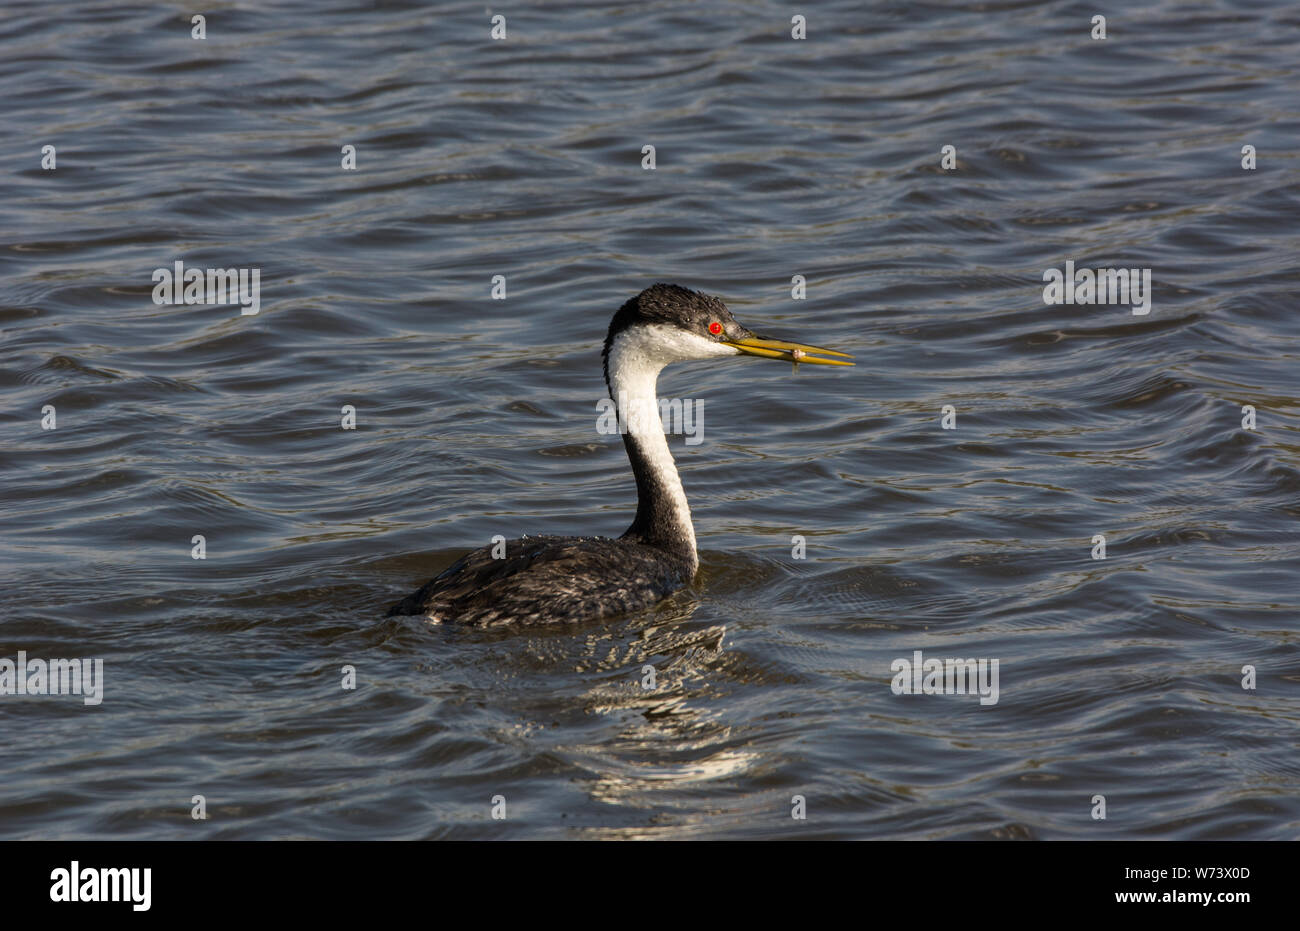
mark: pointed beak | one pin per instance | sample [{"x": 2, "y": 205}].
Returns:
[{"x": 789, "y": 352}]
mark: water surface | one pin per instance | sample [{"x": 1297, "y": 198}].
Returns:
[{"x": 475, "y": 417}]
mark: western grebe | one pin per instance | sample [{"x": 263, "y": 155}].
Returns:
[{"x": 547, "y": 579}]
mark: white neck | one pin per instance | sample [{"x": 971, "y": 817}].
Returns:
[{"x": 636, "y": 357}]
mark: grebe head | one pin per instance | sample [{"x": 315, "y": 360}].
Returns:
[{"x": 667, "y": 323}]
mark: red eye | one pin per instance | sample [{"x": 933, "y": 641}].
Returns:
[{"x": 715, "y": 328}]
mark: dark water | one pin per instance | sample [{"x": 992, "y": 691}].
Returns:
[{"x": 1118, "y": 677}]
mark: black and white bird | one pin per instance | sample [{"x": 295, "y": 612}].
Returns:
[{"x": 549, "y": 579}]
